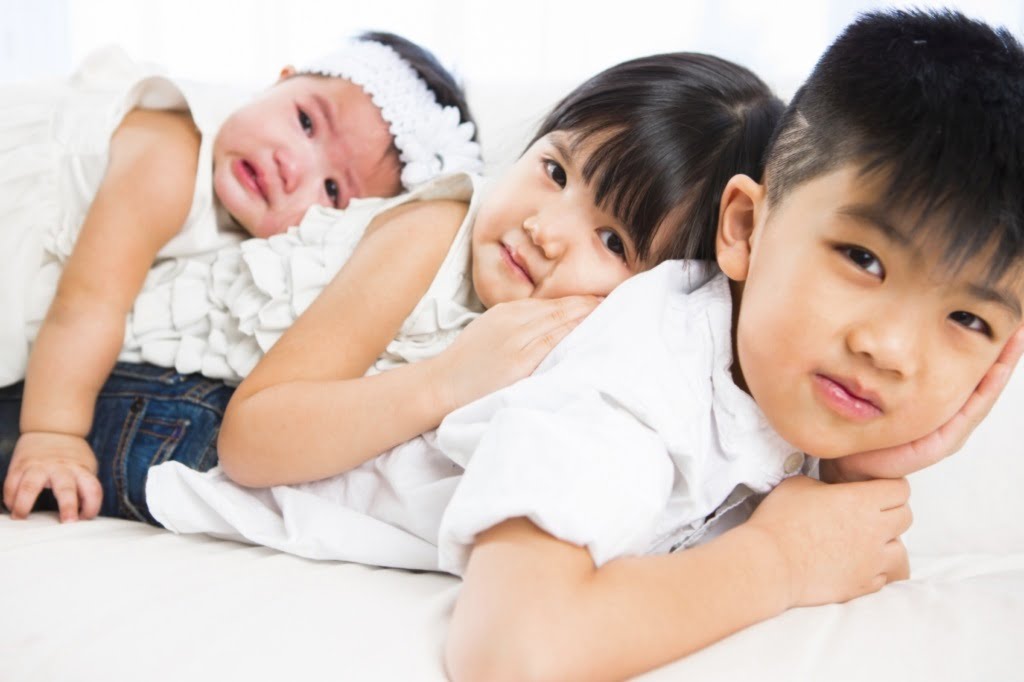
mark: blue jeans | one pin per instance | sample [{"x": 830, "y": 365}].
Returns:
[{"x": 145, "y": 415}]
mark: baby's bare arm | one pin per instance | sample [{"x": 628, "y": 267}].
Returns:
[{"x": 142, "y": 202}]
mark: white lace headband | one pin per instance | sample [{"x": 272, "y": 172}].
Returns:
[{"x": 431, "y": 139}]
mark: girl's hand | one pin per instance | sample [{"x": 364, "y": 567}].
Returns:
[
  {"x": 503, "y": 345},
  {"x": 65, "y": 464},
  {"x": 839, "y": 541},
  {"x": 902, "y": 460}
]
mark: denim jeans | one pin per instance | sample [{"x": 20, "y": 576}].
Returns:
[{"x": 145, "y": 415}]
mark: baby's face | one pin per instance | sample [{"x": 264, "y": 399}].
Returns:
[
  {"x": 851, "y": 337},
  {"x": 307, "y": 140},
  {"x": 540, "y": 233}
]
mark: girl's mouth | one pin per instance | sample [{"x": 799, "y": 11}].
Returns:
[
  {"x": 249, "y": 177},
  {"x": 509, "y": 257}
]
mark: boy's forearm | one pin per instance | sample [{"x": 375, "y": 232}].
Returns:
[
  {"x": 629, "y": 616},
  {"x": 77, "y": 346},
  {"x": 307, "y": 430}
]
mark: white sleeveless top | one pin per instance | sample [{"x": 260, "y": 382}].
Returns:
[
  {"x": 54, "y": 148},
  {"x": 218, "y": 314}
]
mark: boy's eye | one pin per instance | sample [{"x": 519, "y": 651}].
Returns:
[
  {"x": 864, "y": 259},
  {"x": 613, "y": 242},
  {"x": 331, "y": 187},
  {"x": 555, "y": 172},
  {"x": 971, "y": 321},
  {"x": 306, "y": 122}
]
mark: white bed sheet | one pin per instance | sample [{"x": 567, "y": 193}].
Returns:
[{"x": 115, "y": 600}]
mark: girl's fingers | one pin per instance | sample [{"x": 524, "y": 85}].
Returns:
[
  {"x": 895, "y": 561},
  {"x": 887, "y": 493},
  {"x": 11, "y": 487},
  {"x": 897, "y": 521}
]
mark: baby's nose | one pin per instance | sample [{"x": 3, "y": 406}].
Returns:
[{"x": 288, "y": 169}]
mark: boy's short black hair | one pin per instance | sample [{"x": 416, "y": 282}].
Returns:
[
  {"x": 438, "y": 79},
  {"x": 672, "y": 129},
  {"x": 930, "y": 104}
]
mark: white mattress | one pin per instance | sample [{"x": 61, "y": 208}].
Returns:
[{"x": 115, "y": 600}]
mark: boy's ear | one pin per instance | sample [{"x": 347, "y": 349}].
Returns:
[
  {"x": 741, "y": 205},
  {"x": 287, "y": 72}
]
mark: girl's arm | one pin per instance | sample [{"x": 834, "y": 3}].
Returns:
[
  {"x": 306, "y": 411},
  {"x": 142, "y": 202},
  {"x": 535, "y": 608}
]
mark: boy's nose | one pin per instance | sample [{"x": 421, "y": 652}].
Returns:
[{"x": 891, "y": 342}]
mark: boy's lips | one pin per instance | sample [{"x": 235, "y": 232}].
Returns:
[
  {"x": 515, "y": 262},
  {"x": 250, "y": 177},
  {"x": 847, "y": 398}
]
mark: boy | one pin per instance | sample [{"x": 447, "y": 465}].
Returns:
[{"x": 876, "y": 280}]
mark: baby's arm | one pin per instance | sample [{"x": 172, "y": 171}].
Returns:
[
  {"x": 534, "y": 607},
  {"x": 142, "y": 202},
  {"x": 307, "y": 412}
]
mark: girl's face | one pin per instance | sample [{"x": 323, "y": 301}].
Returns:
[
  {"x": 308, "y": 140},
  {"x": 540, "y": 233}
]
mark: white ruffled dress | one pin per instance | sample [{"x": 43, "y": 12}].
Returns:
[
  {"x": 218, "y": 314},
  {"x": 54, "y": 147}
]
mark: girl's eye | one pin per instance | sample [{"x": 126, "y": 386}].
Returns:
[
  {"x": 306, "y": 122},
  {"x": 555, "y": 172},
  {"x": 864, "y": 259},
  {"x": 332, "y": 191},
  {"x": 613, "y": 242},
  {"x": 971, "y": 321}
]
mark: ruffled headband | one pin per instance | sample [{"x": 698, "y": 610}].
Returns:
[{"x": 431, "y": 139}]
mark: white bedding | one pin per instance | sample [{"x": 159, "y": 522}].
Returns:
[{"x": 116, "y": 600}]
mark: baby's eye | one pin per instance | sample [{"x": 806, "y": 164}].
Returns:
[
  {"x": 306, "y": 122},
  {"x": 555, "y": 172},
  {"x": 331, "y": 187},
  {"x": 613, "y": 242},
  {"x": 863, "y": 259},
  {"x": 971, "y": 321}
]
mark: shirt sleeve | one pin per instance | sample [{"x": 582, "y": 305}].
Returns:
[{"x": 576, "y": 462}]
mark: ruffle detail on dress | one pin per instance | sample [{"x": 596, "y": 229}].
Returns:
[{"x": 219, "y": 314}]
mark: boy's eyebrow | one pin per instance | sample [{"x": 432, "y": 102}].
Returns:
[
  {"x": 871, "y": 217},
  {"x": 1002, "y": 298},
  {"x": 327, "y": 111}
]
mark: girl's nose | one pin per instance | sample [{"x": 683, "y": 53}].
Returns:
[{"x": 550, "y": 235}]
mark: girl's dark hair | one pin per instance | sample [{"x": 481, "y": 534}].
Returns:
[
  {"x": 438, "y": 79},
  {"x": 671, "y": 130},
  {"x": 929, "y": 102}
]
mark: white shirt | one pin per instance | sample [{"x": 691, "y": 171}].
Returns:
[{"x": 626, "y": 439}]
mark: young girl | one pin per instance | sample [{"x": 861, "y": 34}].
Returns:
[{"x": 119, "y": 166}]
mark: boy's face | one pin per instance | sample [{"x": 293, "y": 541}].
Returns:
[{"x": 849, "y": 337}]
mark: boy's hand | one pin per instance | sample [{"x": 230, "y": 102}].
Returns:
[
  {"x": 65, "y": 464},
  {"x": 902, "y": 460},
  {"x": 837, "y": 542},
  {"x": 504, "y": 345}
]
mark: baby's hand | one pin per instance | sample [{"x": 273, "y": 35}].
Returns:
[
  {"x": 504, "y": 345},
  {"x": 65, "y": 464},
  {"x": 839, "y": 541}
]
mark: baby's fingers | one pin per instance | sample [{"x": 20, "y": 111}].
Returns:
[
  {"x": 25, "y": 495},
  {"x": 65, "y": 490},
  {"x": 90, "y": 494}
]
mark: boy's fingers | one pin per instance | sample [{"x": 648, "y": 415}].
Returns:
[
  {"x": 897, "y": 520},
  {"x": 65, "y": 490},
  {"x": 894, "y": 558},
  {"x": 90, "y": 494},
  {"x": 887, "y": 493}
]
